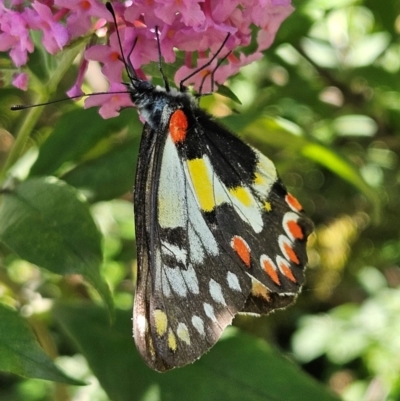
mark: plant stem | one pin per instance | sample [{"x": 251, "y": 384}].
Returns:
[{"x": 32, "y": 115}]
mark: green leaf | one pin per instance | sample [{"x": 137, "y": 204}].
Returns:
[
  {"x": 20, "y": 352},
  {"x": 108, "y": 176},
  {"x": 239, "y": 367},
  {"x": 76, "y": 133},
  {"x": 44, "y": 221},
  {"x": 225, "y": 91}
]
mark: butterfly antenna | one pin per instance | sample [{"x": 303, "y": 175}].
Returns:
[
  {"x": 166, "y": 84},
  {"x": 212, "y": 74},
  {"x": 182, "y": 86},
  {"x": 128, "y": 65},
  {"x": 31, "y": 106}
]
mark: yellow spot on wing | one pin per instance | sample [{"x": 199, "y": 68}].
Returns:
[
  {"x": 172, "y": 341},
  {"x": 259, "y": 290},
  {"x": 259, "y": 179},
  {"x": 160, "y": 321},
  {"x": 267, "y": 206},
  {"x": 242, "y": 194},
  {"x": 183, "y": 333},
  {"x": 199, "y": 174}
]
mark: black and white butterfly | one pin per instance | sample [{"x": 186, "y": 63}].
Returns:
[{"x": 217, "y": 232}]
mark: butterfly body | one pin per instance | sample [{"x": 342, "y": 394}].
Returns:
[{"x": 217, "y": 233}]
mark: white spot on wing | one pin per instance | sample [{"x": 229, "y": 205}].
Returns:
[
  {"x": 209, "y": 311},
  {"x": 216, "y": 292},
  {"x": 198, "y": 324},
  {"x": 233, "y": 281},
  {"x": 141, "y": 324}
]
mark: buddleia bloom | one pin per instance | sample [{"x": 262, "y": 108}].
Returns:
[{"x": 195, "y": 27}]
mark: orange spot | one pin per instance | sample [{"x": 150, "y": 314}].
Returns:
[
  {"x": 269, "y": 269},
  {"x": 170, "y": 33},
  {"x": 287, "y": 272},
  {"x": 178, "y": 125},
  {"x": 293, "y": 202},
  {"x": 114, "y": 56},
  {"x": 290, "y": 252},
  {"x": 205, "y": 73},
  {"x": 240, "y": 246},
  {"x": 85, "y": 5},
  {"x": 295, "y": 229}
]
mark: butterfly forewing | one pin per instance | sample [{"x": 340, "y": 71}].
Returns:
[{"x": 216, "y": 235}]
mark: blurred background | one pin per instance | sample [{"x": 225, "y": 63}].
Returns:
[{"x": 324, "y": 105}]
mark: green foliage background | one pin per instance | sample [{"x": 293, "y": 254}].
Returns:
[{"x": 324, "y": 105}]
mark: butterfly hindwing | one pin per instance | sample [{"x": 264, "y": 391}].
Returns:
[{"x": 216, "y": 236}]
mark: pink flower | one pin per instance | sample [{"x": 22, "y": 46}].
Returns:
[
  {"x": 76, "y": 90},
  {"x": 21, "y": 81},
  {"x": 55, "y": 35},
  {"x": 14, "y": 35},
  {"x": 79, "y": 21},
  {"x": 110, "y": 58},
  {"x": 112, "y": 102},
  {"x": 188, "y": 11}
]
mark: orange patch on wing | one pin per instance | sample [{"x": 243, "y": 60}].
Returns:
[
  {"x": 291, "y": 253},
  {"x": 269, "y": 269},
  {"x": 240, "y": 246},
  {"x": 293, "y": 202},
  {"x": 178, "y": 125},
  {"x": 295, "y": 229},
  {"x": 287, "y": 272}
]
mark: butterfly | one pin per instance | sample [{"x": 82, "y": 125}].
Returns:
[{"x": 217, "y": 232}]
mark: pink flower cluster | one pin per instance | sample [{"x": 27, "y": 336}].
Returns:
[{"x": 196, "y": 27}]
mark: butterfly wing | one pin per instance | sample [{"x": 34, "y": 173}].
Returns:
[
  {"x": 264, "y": 224},
  {"x": 210, "y": 213}
]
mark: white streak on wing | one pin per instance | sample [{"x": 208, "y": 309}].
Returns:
[
  {"x": 233, "y": 281},
  {"x": 266, "y": 169},
  {"x": 220, "y": 190},
  {"x": 175, "y": 279},
  {"x": 174, "y": 251},
  {"x": 166, "y": 288},
  {"x": 195, "y": 246},
  {"x": 250, "y": 214},
  {"x": 190, "y": 278},
  {"x": 216, "y": 292},
  {"x": 172, "y": 210},
  {"x": 196, "y": 219},
  {"x": 157, "y": 271}
]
